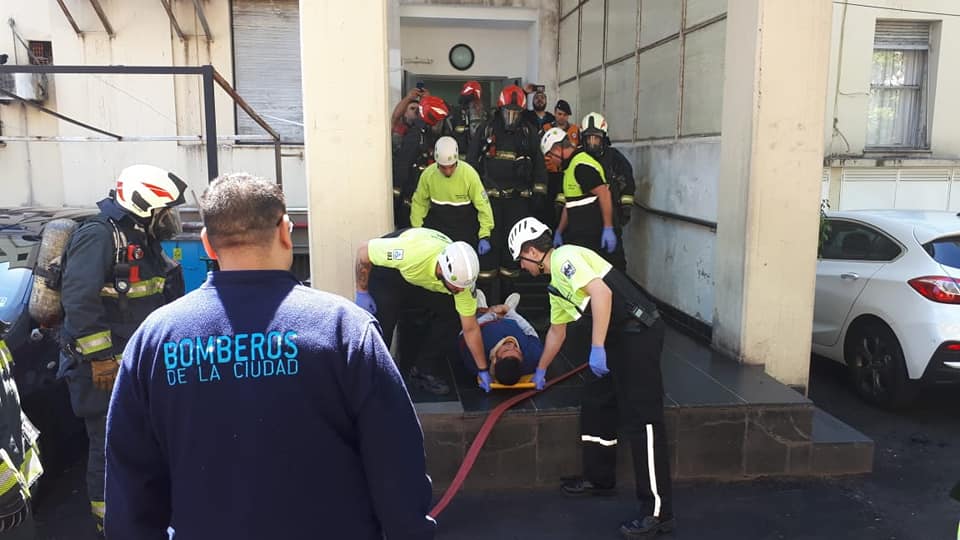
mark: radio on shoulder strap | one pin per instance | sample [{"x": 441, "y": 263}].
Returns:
[{"x": 637, "y": 303}]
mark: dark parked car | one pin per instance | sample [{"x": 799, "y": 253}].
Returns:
[{"x": 35, "y": 350}]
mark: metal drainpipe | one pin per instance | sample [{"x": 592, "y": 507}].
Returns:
[
  {"x": 683, "y": 47},
  {"x": 636, "y": 60},
  {"x": 603, "y": 60},
  {"x": 26, "y": 150},
  {"x": 579, "y": 43},
  {"x": 210, "y": 124}
]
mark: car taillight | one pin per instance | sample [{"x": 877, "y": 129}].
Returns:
[{"x": 942, "y": 289}]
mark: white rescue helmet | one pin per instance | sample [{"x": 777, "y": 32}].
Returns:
[
  {"x": 141, "y": 189},
  {"x": 459, "y": 264},
  {"x": 528, "y": 228},
  {"x": 594, "y": 122},
  {"x": 446, "y": 152},
  {"x": 550, "y": 138}
]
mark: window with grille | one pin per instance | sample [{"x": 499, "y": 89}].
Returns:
[
  {"x": 266, "y": 60},
  {"x": 897, "y": 116},
  {"x": 41, "y": 52}
]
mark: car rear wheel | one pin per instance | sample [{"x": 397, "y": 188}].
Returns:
[{"x": 876, "y": 365}]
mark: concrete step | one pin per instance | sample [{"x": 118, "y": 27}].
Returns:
[
  {"x": 725, "y": 421},
  {"x": 530, "y": 448},
  {"x": 838, "y": 449}
]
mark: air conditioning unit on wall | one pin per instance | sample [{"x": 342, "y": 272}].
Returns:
[{"x": 31, "y": 86}]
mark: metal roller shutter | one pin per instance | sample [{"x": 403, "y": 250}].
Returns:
[
  {"x": 266, "y": 48},
  {"x": 902, "y": 35}
]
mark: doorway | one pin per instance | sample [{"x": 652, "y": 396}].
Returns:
[{"x": 447, "y": 87}]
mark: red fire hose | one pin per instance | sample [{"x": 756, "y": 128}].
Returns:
[{"x": 481, "y": 438}]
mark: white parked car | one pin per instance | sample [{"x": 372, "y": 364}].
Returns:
[{"x": 888, "y": 300}]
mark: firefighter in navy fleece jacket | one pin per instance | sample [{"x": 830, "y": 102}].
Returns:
[{"x": 257, "y": 408}]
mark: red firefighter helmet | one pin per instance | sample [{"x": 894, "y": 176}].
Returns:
[
  {"x": 512, "y": 96},
  {"x": 433, "y": 110},
  {"x": 471, "y": 88}
]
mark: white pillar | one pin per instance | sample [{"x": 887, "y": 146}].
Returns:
[
  {"x": 343, "y": 47},
  {"x": 771, "y": 162}
]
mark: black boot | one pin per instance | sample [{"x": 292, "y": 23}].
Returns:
[
  {"x": 646, "y": 527},
  {"x": 430, "y": 383},
  {"x": 579, "y": 487}
]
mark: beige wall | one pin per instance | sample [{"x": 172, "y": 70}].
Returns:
[
  {"x": 770, "y": 175},
  {"x": 338, "y": 228},
  {"x": 79, "y": 173},
  {"x": 850, "y": 64},
  {"x": 510, "y": 38},
  {"x": 433, "y": 42},
  {"x": 23, "y": 165}
]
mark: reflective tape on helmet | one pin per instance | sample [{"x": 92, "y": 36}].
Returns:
[{"x": 94, "y": 343}]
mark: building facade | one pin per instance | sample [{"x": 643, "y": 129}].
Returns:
[
  {"x": 891, "y": 139},
  {"x": 709, "y": 157}
]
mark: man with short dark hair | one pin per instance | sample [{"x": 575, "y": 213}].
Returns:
[
  {"x": 255, "y": 407},
  {"x": 539, "y": 115},
  {"x": 415, "y": 152},
  {"x": 511, "y": 344},
  {"x": 625, "y": 395},
  {"x": 405, "y": 114},
  {"x": 551, "y": 211},
  {"x": 423, "y": 269},
  {"x": 587, "y": 216}
]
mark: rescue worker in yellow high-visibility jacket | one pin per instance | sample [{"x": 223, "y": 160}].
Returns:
[
  {"x": 450, "y": 198},
  {"x": 625, "y": 394}
]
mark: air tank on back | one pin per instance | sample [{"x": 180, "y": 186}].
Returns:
[{"x": 45, "y": 305}]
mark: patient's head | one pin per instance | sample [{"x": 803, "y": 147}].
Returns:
[
  {"x": 507, "y": 348},
  {"x": 506, "y": 369}
]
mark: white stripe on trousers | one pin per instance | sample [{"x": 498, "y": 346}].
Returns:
[
  {"x": 598, "y": 440},
  {"x": 652, "y": 470}
]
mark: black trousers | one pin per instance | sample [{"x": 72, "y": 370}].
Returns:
[
  {"x": 497, "y": 268},
  {"x": 401, "y": 213},
  {"x": 397, "y": 300},
  {"x": 462, "y": 230},
  {"x": 629, "y": 402},
  {"x": 549, "y": 212}
]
